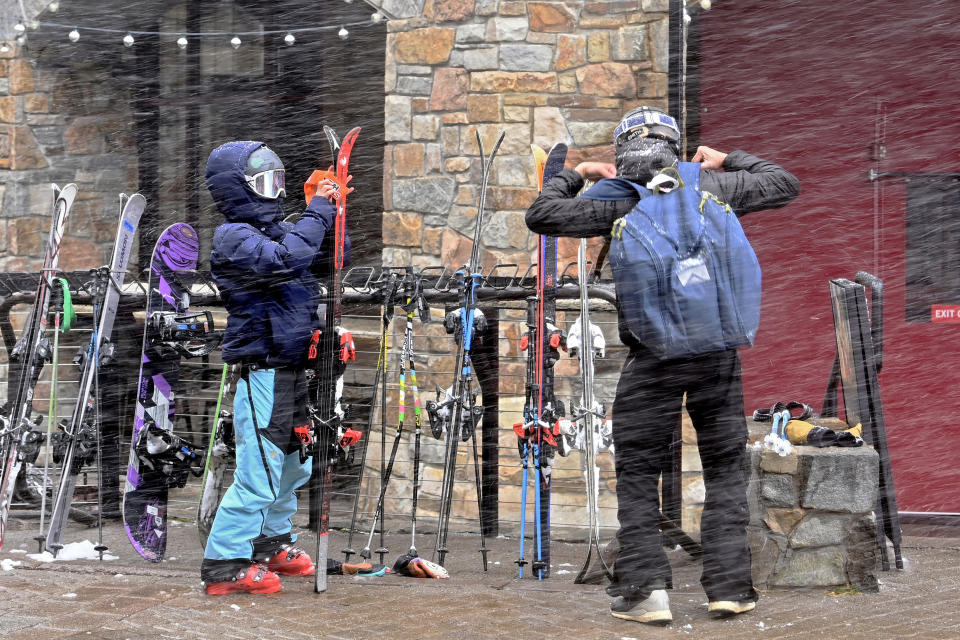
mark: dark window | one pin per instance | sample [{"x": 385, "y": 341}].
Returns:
[{"x": 933, "y": 244}]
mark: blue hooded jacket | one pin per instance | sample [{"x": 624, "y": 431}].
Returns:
[{"x": 267, "y": 270}]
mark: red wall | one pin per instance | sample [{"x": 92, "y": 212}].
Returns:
[{"x": 800, "y": 83}]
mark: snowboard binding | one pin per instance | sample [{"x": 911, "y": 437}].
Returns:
[
  {"x": 191, "y": 334},
  {"x": 164, "y": 452}
]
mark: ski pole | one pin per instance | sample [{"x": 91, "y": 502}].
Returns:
[
  {"x": 379, "y": 376},
  {"x": 413, "y": 303},
  {"x": 385, "y": 479},
  {"x": 58, "y": 302}
]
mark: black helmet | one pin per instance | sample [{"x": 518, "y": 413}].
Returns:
[{"x": 265, "y": 175}]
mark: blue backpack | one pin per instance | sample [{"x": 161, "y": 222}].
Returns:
[{"x": 687, "y": 279}]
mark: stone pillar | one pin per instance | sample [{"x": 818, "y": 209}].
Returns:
[
  {"x": 811, "y": 517},
  {"x": 542, "y": 72}
]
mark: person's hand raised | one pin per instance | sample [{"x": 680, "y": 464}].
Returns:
[
  {"x": 709, "y": 158},
  {"x": 596, "y": 170}
]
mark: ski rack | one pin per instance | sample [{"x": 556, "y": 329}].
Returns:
[
  {"x": 362, "y": 285},
  {"x": 503, "y": 282}
]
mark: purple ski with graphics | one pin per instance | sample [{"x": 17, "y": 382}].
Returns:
[{"x": 159, "y": 459}]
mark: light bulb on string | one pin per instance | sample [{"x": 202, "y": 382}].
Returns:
[
  {"x": 705, "y": 5},
  {"x": 182, "y": 42},
  {"x": 19, "y": 28},
  {"x": 376, "y": 17},
  {"x": 4, "y": 48},
  {"x": 53, "y": 6},
  {"x": 74, "y": 35},
  {"x": 22, "y": 39},
  {"x": 235, "y": 42},
  {"x": 34, "y": 24},
  {"x": 289, "y": 39},
  {"x": 343, "y": 33},
  {"x": 128, "y": 40}
]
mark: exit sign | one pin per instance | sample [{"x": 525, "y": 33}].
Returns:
[{"x": 945, "y": 313}]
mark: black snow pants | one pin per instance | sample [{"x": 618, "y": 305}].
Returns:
[{"x": 646, "y": 409}]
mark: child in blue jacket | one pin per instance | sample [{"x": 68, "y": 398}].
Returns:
[{"x": 267, "y": 273}]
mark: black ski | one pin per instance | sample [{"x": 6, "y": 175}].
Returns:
[
  {"x": 17, "y": 440},
  {"x": 326, "y": 420},
  {"x": 542, "y": 411},
  {"x": 457, "y": 412}
]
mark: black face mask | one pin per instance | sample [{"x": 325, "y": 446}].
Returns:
[{"x": 639, "y": 159}]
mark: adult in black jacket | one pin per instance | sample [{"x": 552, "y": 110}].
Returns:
[{"x": 650, "y": 391}]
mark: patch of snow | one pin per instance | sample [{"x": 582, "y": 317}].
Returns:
[
  {"x": 24, "y": 551},
  {"x": 7, "y": 564},
  {"x": 72, "y": 551},
  {"x": 69, "y": 595},
  {"x": 562, "y": 572},
  {"x": 235, "y": 607}
]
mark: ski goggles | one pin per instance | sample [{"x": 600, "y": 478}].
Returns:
[
  {"x": 647, "y": 124},
  {"x": 268, "y": 184}
]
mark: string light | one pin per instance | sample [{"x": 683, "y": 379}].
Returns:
[
  {"x": 705, "y": 5},
  {"x": 4, "y": 48},
  {"x": 53, "y": 6},
  {"x": 128, "y": 38}
]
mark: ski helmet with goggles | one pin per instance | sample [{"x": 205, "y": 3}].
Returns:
[
  {"x": 265, "y": 175},
  {"x": 646, "y": 141}
]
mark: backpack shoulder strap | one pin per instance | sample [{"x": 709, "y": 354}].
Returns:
[{"x": 689, "y": 173}]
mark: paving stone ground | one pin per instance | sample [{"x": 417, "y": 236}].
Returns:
[{"x": 130, "y": 598}]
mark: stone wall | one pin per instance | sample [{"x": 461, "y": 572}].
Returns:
[
  {"x": 541, "y": 72},
  {"x": 61, "y": 123},
  {"x": 811, "y": 517}
]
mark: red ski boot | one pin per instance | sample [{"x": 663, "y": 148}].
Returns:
[
  {"x": 291, "y": 561},
  {"x": 254, "y": 579}
]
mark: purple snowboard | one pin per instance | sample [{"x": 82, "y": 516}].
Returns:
[{"x": 145, "y": 492}]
